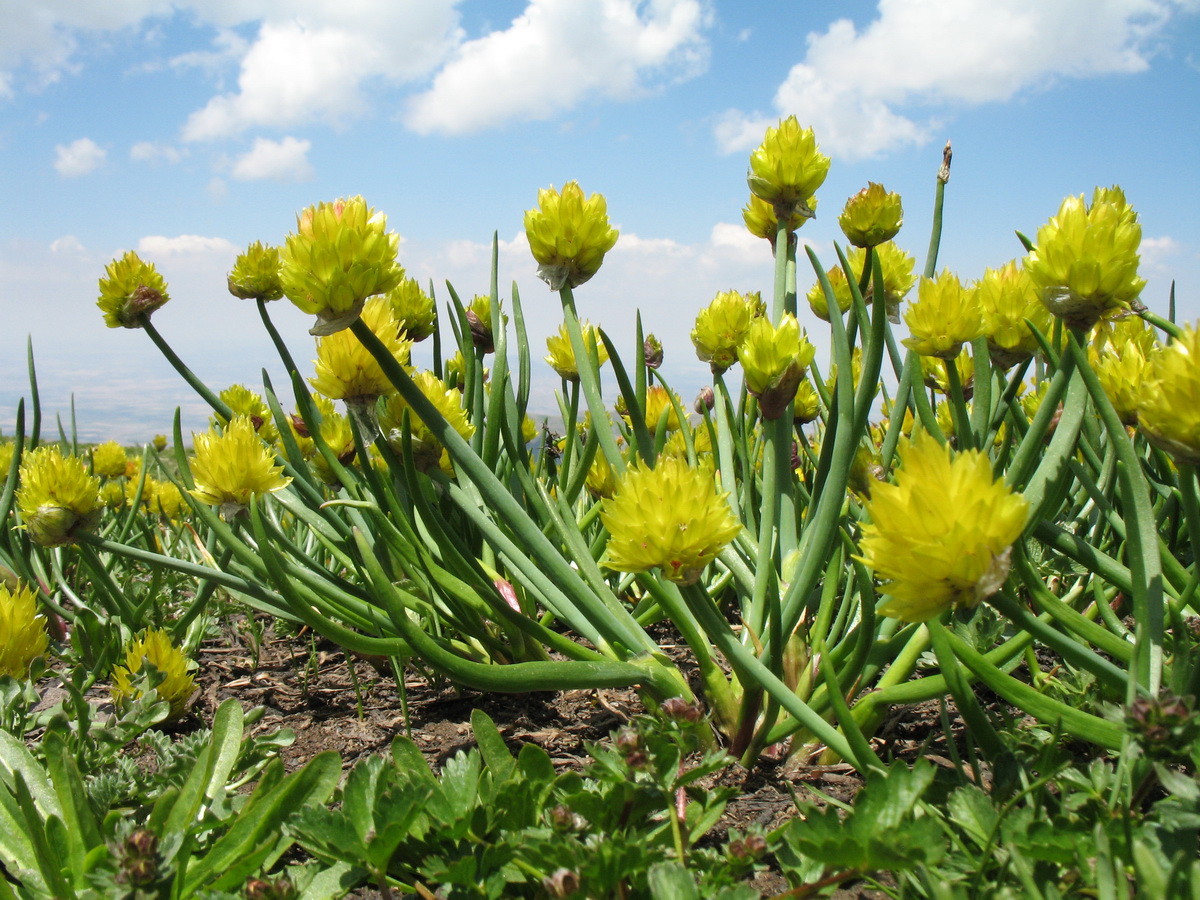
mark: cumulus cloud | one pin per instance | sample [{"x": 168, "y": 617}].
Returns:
[
  {"x": 78, "y": 157},
  {"x": 557, "y": 53},
  {"x": 873, "y": 91},
  {"x": 184, "y": 245},
  {"x": 285, "y": 160},
  {"x": 149, "y": 151},
  {"x": 312, "y": 67},
  {"x": 1156, "y": 250}
]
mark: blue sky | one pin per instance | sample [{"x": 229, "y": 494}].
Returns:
[{"x": 187, "y": 130}]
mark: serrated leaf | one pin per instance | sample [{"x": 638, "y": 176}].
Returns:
[{"x": 972, "y": 811}]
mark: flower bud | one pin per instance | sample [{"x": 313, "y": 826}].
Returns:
[
  {"x": 705, "y": 400},
  {"x": 652, "y": 352},
  {"x": 130, "y": 289},
  {"x": 561, "y": 883},
  {"x": 255, "y": 274},
  {"x": 871, "y": 216}
]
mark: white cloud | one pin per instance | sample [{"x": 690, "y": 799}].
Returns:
[
  {"x": 556, "y": 54},
  {"x": 157, "y": 245},
  {"x": 285, "y": 160},
  {"x": 78, "y": 158},
  {"x": 67, "y": 245},
  {"x": 151, "y": 152},
  {"x": 1156, "y": 250},
  {"x": 311, "y": 66},
  {"x": 867, "y": 93}
]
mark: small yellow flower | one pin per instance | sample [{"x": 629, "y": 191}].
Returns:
[
  {"x": 529, "y": 430},
  {"x": 670, "y": 517},
  {"x": 774, "y": 360},
  {"x": 244, "y": 402},
  {"x": 944, "y": 317},
  {"x": 871, "y": 216},
  {"x": 335, "y": 430},
  {"x": 934, "y": 371},
  {"x": 108, "y": 460},
  {"x": 231, "y": 466},
  {"x": 601, "y": 480},
  {"x": 414, "y": 310},
  {"x": 568, "y": 235},
  {"x": 723, "y": 325},
  {"x": 787, "y": 168},
  {"x": 562, "y": 355},
  {"x": 898, "y": 279},
  {"x": 819, "y": 303},
  {"x": 941, "y": 535},
  {"x": 346, "y": 370},
  {"x": 130, "y": 289},
  {"x": 1086, "y": 259},
  {"x": 807, "y": 406},
  {"x": 426, "y": 449},
  {"x": 255, "y": 273},
  {"x": 759, "y": 216},
  {"x": 1007, "y": 297},
  {"x": 167, "y": 500},
  {"x": 1169, "y": 412},
  {"x": 7, "y": 452},
  {"x": 154, "y": 647},
  {"x": 1119, "y": 352},
  {"x": 57, "y": 498},
  {"x": 112, "y": 494},
  {"x": 340, "y": 255},
  {"x": 160, "y": 442},
  {"x": 662, "y": 403},
  {"x": 23, "y": 636}
]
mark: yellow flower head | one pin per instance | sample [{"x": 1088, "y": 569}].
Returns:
[
  {"x": 415, "y": 311},
  {"x": 130, "y": 289},
  {"x": 340, "y": 255},
  {"x": 57, "y": 498},
  {"x": 723, "y": 325},
  {"x": 871, "y": 216},
  {"x": 807, "y": 406},
  {"x": 108, "y": 460},
  {"x": 759, "y": 216},
  {"x": 231, "y": 466},
  {"x": 335, "y": 430},
  {"x": 1119, "y": 352},
  {"x": 1086, "y": 259},
  {"x": 167, "y": 500},
  {"x": 670, "y": 517},
  {"x": 255, "y": 273},
  {"x": 944, "y": 317},
  {"x": 23, "y": 636},
  {"x": 787, "y": 168},
  {"x": 934, "y": 371},
  {"x": 601, "y": 479},
  {"x": 426, "y": 449},
  {"x": 774, "y": 360},
  {"x": 346, "y": 369},
  {"x": 562, "y": 355},
  {"x": 568, "y": 235},
  {"x": 244, "y": 402},
  {"x": 659, "y": 403},
  {"x": 941, "y": 535},
  {"x": 113, "y": 494},
  {"x": 160, "y": 442},
  {"x": 154, "y": 646},
  {"x": 1007, "y": 297},
  {"x": 7, "y": 451},
  {"x": 1169, "y": 412},
  {"x": 819, "y": 303}
]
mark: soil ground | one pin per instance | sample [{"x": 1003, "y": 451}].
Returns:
[{"x": 308, "y": 685}]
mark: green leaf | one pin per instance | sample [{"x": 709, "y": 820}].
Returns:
[
  {"x": 972, "y": 810},
  {"x": 496, "y": 755},
  {"x": 671, "y": 881}
]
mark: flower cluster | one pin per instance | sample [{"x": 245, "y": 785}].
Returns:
[
  {"x": 569, "y": 235},
  {"x": 774, "y": 359},
  {"x": 155, "y": 648},
  {"x": 58, "y": 497},
  {"x": 129, "y": 290},
  {"x": 722, "y": 326},
  {"x": 23, "y": 636},
  {"x": 787, "y": 168},
  {"x": 232, "y": 466},
  {"x": 1169, "y": 411}
]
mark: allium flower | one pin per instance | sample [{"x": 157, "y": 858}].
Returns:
[
  {"x": 601, "y": 480},
  {"x": 414, "y": 310},
  {"x": 160, "y": 442},
  {"x": 759, "y": 216},
  {"x": 334, "y": 430},
  {"x": 933, "y": 370},
  {"x": 723, "y": 325},
  {"x": 108, "y": 460},
  {"x": 944, "y": 317},
  {"x": 426, "y": 449},
  {"x": 1006, "y": 298},
  {"x": 670, "y": 517},
  {"x": 255, "y": 273},
  {"x": 871, "y": 216},
  {"x": 231, "y": 466},
  {"x": 1086, "y": 259},
  {"x": 562, "y": 355},
  {"x": 1119, "y": 353},
  {"x": 787, "y": 168},
  {"x": 807, "y": 405},
  {"x": 112, "y": 494},
  {"x": 1169, "y": 412},
  {"x": 942, "y": 534},
  {"x": 244, "y": 402},
  {"x": 568, "y": 235},
  {"x": 154, "y": 646},
  {"x": 130, "y": 289},
  {"x": 660, "y": 401},
  {"x": 23, "y": 636},
  {"x": 340, "y": 255},
  {"x": 167, "y": 500},
  {"x": 652, "y": 352},
  {"x": 479, "y": 319},
  {"x": 57, "y": 498},
  {"x": 346, "y": 370},
  {"x": 819, "y": 303},
  {"x": 7, "y": 452},
  {"x": 774, "y": 360}
]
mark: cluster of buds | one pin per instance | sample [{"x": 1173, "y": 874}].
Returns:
[{"x": 139, "y": 859}]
